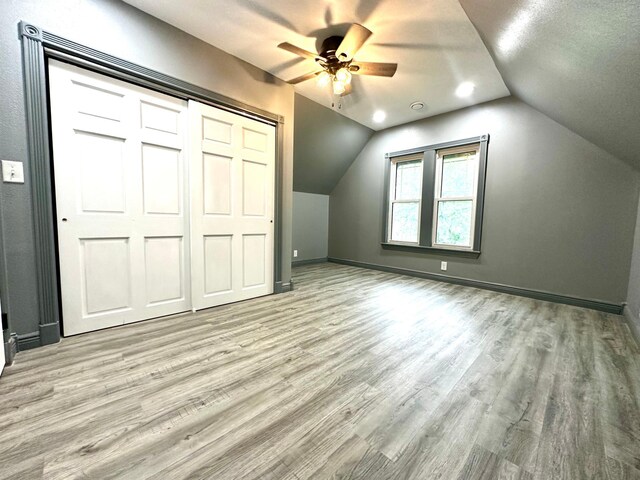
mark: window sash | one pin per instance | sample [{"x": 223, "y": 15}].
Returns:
[
  {"x": 438, "y": 198},
  {"x": 435, "y": 242},
  {"x": 392, "y": 196}
]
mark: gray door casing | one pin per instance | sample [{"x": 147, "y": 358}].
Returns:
[{"x": 37, "y": 47}]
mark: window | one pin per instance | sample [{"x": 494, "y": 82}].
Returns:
[
  {"x": 455, "y": 196},
  {"x": 436, "y": 195},
  {"x": 406, "y": 197}
]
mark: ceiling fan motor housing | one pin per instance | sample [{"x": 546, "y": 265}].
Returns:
[
  {"x": 328, "y": 53},
  {"x": 329, "y": 47}
]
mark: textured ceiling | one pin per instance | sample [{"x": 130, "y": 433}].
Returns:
[
  {"x": 433, "y": 41},
  {"x": 577, "y": 61}
]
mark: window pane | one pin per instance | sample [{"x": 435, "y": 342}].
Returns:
[
  {"x": 408, "y": 180},
  {"x": 454, "y": 223},
  {"x": 458, "y": 174},
  {"x": 404, "y": 222}
]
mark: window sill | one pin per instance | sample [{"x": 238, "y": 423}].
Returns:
[{"x": 435, "y": 250}]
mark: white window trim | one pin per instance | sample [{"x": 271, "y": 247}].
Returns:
[
  {"x": 437, "y": 196},
  {"x": 392, "y": 194}
]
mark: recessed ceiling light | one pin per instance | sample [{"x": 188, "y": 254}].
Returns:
[
  {"x": 417, "y": 106},
  {"x": 465, "y": 89},
  {"x": 379, "y": 116}
]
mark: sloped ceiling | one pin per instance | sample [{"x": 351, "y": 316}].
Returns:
[
  {"x": 576, "y": 61},
  {"x": 433, "y": 42},
  {"x": 325, "y": 144}
]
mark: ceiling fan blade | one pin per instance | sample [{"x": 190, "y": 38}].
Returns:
[
  {"x": 303, "y": 78},
  {"x": 352, "y": 41},
  {"x": 297, "y": 50},
  {"x": 373, "y": 68}
]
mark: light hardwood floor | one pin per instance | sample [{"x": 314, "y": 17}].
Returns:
[{"x": 355, "y": 374}]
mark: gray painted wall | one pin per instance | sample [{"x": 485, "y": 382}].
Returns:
[
  {"x": 121, "y": 30},
  {"x": 559, "y": 211},
  {"x": 325, "y": 144},
  {"x": 632, "y": 310},
  {"x": 310, "y": 226}
]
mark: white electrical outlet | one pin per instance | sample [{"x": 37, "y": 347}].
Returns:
[
  {"x": 12, "y": 172},
  {"x": 443, "y": 266},
  {"x": 295, "y": 253}
]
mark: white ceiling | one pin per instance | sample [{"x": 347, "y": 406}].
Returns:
[{"x": 433, "y": 42}]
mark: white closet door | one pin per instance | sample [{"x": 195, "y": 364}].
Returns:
[
  {"x": 121, "y": 200},
  {"x": 232, "y": 201}
]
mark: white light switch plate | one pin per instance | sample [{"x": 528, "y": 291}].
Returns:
[
  {"x": 12, "y": 172},
  {"x": 295, "y": 253},
  {"x": 443, "y": 266}
]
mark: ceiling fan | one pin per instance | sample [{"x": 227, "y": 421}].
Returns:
[{"x": 336, "y": 59}]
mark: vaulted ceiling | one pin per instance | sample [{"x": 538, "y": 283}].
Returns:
[
  {"x": 433, "y": 42},
  {"x": 577, "y": 61}
]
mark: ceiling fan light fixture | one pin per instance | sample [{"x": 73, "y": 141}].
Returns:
[
  {"x": 343, "y": 75},
  {"x": 339, "y": 87},
  {"x": 334, "y": 61},
  {"x": 323, "y": 79}
]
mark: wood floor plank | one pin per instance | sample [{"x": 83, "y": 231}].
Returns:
[
  {"x": 258, "y": 444},
  {"x": 572, "y": 438},
  {"x": 356, "y": 374},
  {"x": 395, "y": 420},
  {"x": 621, "y": 471},
  {"x": 484, "y": 465}
]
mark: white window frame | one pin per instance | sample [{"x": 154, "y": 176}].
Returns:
[
  {"x": 438, "y": 198},
  {"x": 392, "y": 194}
]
